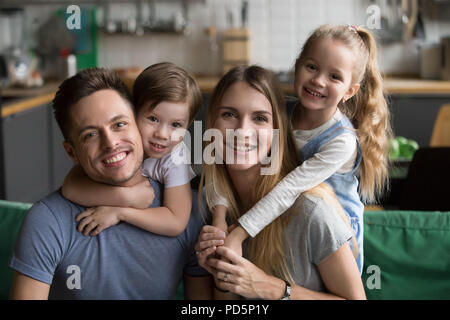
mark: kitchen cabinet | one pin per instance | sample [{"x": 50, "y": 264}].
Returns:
[
  {"x": 33, "y": 159},
  {"x": 26, "y": 155}
]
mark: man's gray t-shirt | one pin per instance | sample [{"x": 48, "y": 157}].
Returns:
[{"x": 122, "y": 262}]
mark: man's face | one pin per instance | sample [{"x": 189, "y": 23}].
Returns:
[{"x": 105, "y": 139}]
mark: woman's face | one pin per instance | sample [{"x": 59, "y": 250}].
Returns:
[{"x": 245, "y": 120}]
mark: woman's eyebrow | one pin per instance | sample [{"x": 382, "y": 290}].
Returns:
[
  {"x": 230, "y": 108},
  {"x": 254, "y": 112},
  {"x": 263, "y": 112}
]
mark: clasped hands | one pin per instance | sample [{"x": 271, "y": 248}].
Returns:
[{"x": 221, "y": 255}]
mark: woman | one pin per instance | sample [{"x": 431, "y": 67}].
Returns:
[{"x": 304, "y": 254}]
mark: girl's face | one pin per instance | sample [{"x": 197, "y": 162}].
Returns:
[
  {"x": 158, "y": 127},
  {"x": 324, "y": 78},
  {"x": 245, "y": 121}
]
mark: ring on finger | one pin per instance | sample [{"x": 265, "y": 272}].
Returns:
[{"x": 225, "y": 277}]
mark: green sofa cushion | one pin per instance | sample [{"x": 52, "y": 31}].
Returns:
[
  {"x": 412, "y": 251},
  {"x": 11, "y": 216}
]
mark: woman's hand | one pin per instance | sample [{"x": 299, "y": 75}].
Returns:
[
  {"x": 94, "y": 220},
  {"x": 242, "y": 277},
  {"x": 209, "y": 238}
]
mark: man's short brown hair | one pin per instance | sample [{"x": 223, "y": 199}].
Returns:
[
  {"x": 83, "y": 84},
  {"x": 166, "y": 82}
]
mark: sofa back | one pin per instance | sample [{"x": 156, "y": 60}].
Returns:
[
  {"x": 406, "y": 255},
  {"x": 11, "y": 216}
]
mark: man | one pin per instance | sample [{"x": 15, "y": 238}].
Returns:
[{"x": 52, "y": 260}]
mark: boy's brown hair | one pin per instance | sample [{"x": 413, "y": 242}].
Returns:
[{"x": 166, "y": 82}]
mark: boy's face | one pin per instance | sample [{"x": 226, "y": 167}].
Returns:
[{"x": 162, "y": 127}]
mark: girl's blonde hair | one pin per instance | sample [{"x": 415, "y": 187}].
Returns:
[
  {"x": 367, "y": 110},
  {"x": 267, "y": 249}
]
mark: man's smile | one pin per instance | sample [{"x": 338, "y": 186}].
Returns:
[{"x": 115, "y": 160}]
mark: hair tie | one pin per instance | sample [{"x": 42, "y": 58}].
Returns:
[{"x": 353, "y": 29}]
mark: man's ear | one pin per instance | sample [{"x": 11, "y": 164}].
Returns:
[
  {"x": 70, "y": 151},
  {"x": 351, "y": 91}
]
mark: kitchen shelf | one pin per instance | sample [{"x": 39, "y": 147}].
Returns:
[{"x": 15, "y": 3}]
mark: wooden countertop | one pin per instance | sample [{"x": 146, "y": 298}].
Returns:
[
  {"x": 27, "y": 98},
  {"x": 416, "y": 86},
  {"x": 26, "y": 104},
  {"x": 391, "y": 85},
  {"x": 31, "y": 98}
]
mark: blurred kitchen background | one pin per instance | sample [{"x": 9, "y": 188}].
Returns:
[
  {"x": 42, "y": 42},
  {"x": 191, "y": 33}
]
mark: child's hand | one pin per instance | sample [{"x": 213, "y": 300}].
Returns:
[
  {"x": 234, "y": 242},
  {"x": 221, "y": 224},
  {"x": 219, "y": 218},
  {"x": 95, "y": 220},
  {"x": 142, "y": 195}
]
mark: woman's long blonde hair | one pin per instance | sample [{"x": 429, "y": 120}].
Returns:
[
  {"x": 368, "y": 109},
  {"x": 267, "y": 249}
]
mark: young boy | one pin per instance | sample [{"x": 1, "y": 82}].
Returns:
[{"x": 166, "y": 99}]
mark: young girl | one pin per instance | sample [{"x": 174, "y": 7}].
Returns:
[
  {"x": 341, "y": 126},
  {"x": 166, "y": 98},
  {"x": 299, "y": 254}
]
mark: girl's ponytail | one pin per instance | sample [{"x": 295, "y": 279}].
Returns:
[{"x": 372, "y": 120}]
